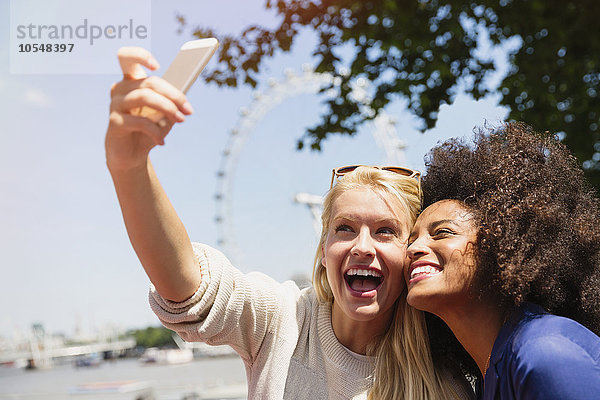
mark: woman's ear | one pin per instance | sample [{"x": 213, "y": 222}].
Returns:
[{"x": 323, "y": 257}]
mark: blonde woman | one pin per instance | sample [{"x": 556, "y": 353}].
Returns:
[{"x": 333, "y": 341}]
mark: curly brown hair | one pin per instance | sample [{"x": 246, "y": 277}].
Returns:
[{"x": 539, "y": 221}]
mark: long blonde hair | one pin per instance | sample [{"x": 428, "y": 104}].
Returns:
[{"x": 403, "y": 365}]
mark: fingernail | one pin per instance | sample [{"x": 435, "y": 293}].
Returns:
[
  {"x": 180, "y": 117},
  {"x": 187, "y": 107},
  {"x": 163, "y": 122},
  {"x": 153, "y": 63}
]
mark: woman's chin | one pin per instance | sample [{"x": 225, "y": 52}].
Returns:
[
  {"x": 419, "y": 300},
  {"x": 371, "y": 313}
]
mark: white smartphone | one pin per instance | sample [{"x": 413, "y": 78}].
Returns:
[
  {"x": 184, "y": 70},
  {"x": 189, "y": 62}
]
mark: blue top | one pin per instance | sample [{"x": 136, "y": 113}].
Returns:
[{"x": 542, "y": 356}]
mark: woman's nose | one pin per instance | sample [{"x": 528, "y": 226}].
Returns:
[
  {"x": 363, "y": 245},
  {"x": 416, "y": 249}
]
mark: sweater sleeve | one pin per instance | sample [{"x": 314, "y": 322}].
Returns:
[{"x": 229, "y": 307}]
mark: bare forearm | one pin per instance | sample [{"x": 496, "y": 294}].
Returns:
[{"x": 156, "y": 232}]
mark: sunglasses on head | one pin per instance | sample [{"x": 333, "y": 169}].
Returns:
[{"x": 341, "y": 171}]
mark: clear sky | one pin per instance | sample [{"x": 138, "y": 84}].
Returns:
[{"x": 64, "y": 254}]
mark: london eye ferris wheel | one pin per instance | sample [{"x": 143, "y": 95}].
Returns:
[{"x": 231, "y": 212}]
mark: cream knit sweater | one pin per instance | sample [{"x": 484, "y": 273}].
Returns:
[{"x": 283, "y": 334}]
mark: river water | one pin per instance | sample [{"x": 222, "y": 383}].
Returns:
[{"x": 209, "y": 378}]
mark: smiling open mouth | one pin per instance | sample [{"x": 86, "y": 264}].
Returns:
[
  {"x": 363, "y": 280},
  {"x": 424, "y": 271}
]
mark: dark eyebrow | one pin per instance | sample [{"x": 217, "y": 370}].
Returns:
[
  {"x": 442, "y": 222},
  {"x": 434, "y": 225}
]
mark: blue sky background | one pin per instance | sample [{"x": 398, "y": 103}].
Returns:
[{"x": 64, "y": 254}]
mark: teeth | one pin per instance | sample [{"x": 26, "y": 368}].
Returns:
[
  {"x": 364, "y": 272},
  {"x": 424, "y": 270}
]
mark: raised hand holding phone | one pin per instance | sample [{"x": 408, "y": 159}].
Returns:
[
  {"x": 140, "y": 103},
  {"x": 184, "y": 70}
]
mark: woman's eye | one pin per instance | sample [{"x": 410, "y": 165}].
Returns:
[
  {"x": 343, "y": 228},
  {"x": 386, "y": 231},
  {"x": 443, "y": 232}
]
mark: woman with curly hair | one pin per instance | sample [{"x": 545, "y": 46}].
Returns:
[{"x": 507, "y": 255}]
